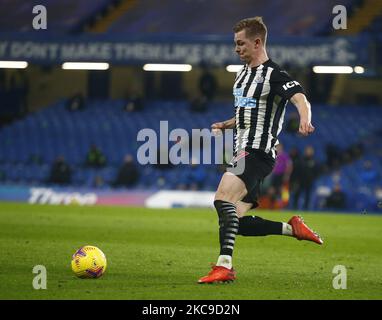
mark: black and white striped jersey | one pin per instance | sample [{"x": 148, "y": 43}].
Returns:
[{"x": 261, "y": 94}]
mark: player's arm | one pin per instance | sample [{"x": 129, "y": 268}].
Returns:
[
  {"x": 228, "y": 124},
  {"x": 303, "y": 107}
]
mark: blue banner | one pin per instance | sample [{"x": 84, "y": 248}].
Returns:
[
  {"x": 216, "y": 50},
  {"x": 72, "y": 196}
]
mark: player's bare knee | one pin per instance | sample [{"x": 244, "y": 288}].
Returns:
[{"x": 225, "y": 195}]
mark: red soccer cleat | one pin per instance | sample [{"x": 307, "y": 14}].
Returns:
[
  {"x": 219, "y": 274},
  {"x": 302, "y": 232}
]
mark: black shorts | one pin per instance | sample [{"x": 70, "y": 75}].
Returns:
[{"x": 252, "y": 166}]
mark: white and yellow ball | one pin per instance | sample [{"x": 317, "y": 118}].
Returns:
[{"x": 89, "y": 262}]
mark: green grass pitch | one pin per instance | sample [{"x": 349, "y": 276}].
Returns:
[{"x": 160, "y": 254}]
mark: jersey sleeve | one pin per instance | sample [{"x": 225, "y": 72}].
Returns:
[{"x": 285, "y": 86}]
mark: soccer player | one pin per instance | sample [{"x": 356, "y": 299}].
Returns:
[{"x": 261, "y": 91}]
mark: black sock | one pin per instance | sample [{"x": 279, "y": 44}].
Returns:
[
  {"x": 256, "y": 226},
  {"x": 228, "y": 226}
]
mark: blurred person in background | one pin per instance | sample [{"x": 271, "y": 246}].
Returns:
[
  {"x": 95, "y": 157},
  {"x": 336, "y": 199},
  {"x": 282, "y": 170},
  {"x": 207, "y": 83},
  {"x": 307, "y": 170},
  {"x": 207, "y": 90},
  {"x": 292, "y": 123},
  {"x": 333, "y": 156},
  {"x": 128, "y": 174},
  {"x": 295, "y": 158},
  {"x": 60, "y": 172}
]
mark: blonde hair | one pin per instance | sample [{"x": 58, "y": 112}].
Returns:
[{"x": 253, "y": 27}]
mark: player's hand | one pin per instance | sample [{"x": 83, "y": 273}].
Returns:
[
  {"x": 305, "y": 128},
  {"x": 217, "y": 128}
]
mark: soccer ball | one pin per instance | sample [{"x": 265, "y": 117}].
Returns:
[{"x": 89, "y": 262}]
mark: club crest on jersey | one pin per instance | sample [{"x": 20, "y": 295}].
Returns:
[
  {"x": 259, "y": 79},
  {"x": 238, "y": 92},
  {"x": 241, "y": 101}
]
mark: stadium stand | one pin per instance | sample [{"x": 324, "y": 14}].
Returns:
[
  {"x": 160, "y": 18},
  {"x": 151, "y": 16},
  {"x": 56, "y": 131}
]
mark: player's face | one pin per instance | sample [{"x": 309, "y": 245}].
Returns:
[{"x": 244, "y": 47}]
